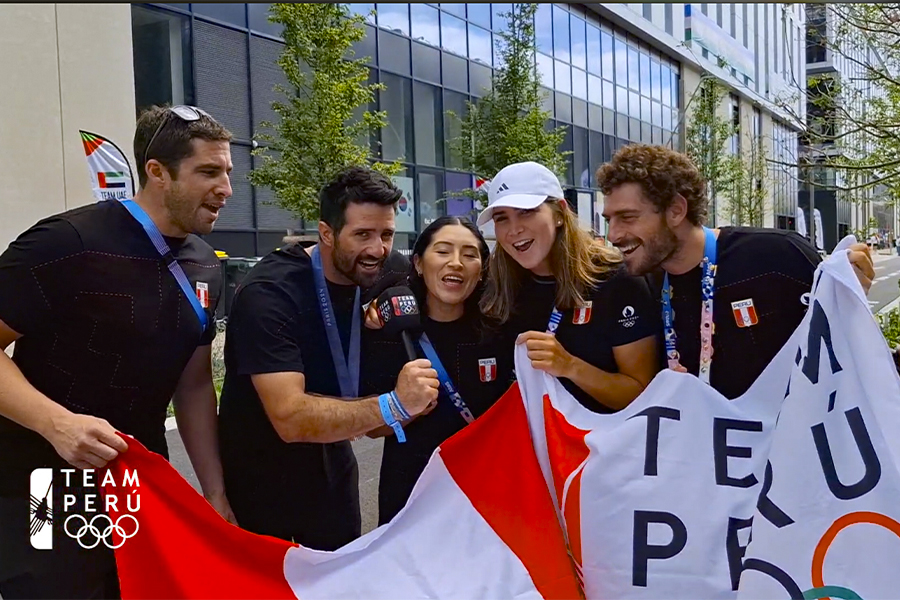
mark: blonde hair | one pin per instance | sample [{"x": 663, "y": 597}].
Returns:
[{"x": 578, "y": 262}]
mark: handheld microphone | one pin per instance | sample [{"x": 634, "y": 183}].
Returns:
[{"x": 399, "y": 312}]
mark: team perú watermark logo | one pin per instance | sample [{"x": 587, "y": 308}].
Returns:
[{"x": 85, "y": 514}]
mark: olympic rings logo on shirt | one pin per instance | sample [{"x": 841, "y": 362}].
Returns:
[{"x": 96, "y": 534}]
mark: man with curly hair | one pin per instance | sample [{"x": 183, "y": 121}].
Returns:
[{"x": 730, "y": 297}]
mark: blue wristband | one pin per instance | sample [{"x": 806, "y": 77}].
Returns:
[
  {"x": 399, "y": 407},
  {"x": 384, "y": 403}
]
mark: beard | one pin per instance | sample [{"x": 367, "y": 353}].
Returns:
[
  {"x": 655, "y": 250},
  {"x": 181, "y": 210},
  {"x": 347, "y": 265}
]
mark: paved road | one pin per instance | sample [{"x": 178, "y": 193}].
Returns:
[
  {"x": 884, "y": 288},
  {"x": 368, "y": 453}
]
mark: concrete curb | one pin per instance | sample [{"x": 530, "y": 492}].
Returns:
[{"x": 170, "y": 424}]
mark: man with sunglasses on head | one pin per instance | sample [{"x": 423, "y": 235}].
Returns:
[{"x": 111, "y": 309}]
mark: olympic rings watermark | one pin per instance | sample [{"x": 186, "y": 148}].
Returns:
[{"x": 98, "y": 536}]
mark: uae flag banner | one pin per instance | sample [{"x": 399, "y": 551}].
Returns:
[
  {"x": 108, "y": 168},
  {"x": 789, "y": 491}
]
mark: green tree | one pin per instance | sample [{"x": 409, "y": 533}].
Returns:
[
  {"x": 508, "y": 125},
  {"x": 318, "y": 133},
  {"x": 739, "y": 180}
]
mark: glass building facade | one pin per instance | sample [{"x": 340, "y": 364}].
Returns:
[{"x": 607, "y": 87}]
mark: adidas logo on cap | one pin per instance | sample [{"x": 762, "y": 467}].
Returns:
[{"x": 503, "y": 187}]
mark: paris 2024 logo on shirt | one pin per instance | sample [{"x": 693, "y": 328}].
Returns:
[
  {"x": 629, "y": 317},
  {"x": 85, "y": 513}
]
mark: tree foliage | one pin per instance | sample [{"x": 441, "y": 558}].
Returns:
[
  {"x": 739, "y": 180},
  {"x": 508, "y": 124},
  {"x": 853, "y": 112},
  {"x": 318, "y": 133}
]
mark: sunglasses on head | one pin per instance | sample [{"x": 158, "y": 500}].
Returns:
[{"x": 183, "y": 112}]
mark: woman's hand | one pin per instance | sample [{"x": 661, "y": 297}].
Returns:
[{"x": 546, "y": 353}]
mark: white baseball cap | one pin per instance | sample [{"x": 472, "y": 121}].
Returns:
[{"x": 523, "y": 185}]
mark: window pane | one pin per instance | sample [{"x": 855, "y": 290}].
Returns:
[
  {"x": 621, "y": 59},
  {"x": 454, "y": 8},
  {"x": 645, "y": 74},
  {"x": 425, "y": 24},
  {"x": 674, "y": 88},
  {"x": 667, "y": 118},
  {"x": 499, "y": 21},
  {"x": 609, "y": 99},
  {"x": 479, "y": 79},
  {"x": 656, "y": 117},
  {"x": 457, "y": 104},
  {"x": 229, "y": 13},
  {"x": 458, "y": 205},
  {"x": 259, "y": 20},
  {"x": 563, "y": 107},
  {"x": 396, "y": 99},
  {"x": 453, "y": 34},
  {"x": 561, "y": 34},
  {"x": 545, "y": 69},
  {"x": 594, "y": 53},
  {"x": 579, "y": 158},
  {"x": 621, "y": 100},
  {"x": 579, "y": 84},
  {"x": 665, "y": 85},
  {"x": 566, "y": 146},
  {"x": 645, "y": 109},
  {"x": 543, "y": 28},
  {"x": 480, "y": 45},
  {"x": 579, "y": 43},
  {"x": 634, "y": 69},
  {"x": 162, "y": 67},
  {"x": 595, "y": 117},
  {"x": 655, "y": 88},
  {"x": 431, "y": 201},
  {"x": 596, "y": 156},
  {"x": 607, "y": 56},
  {"x": 480, "y": 14},
  {"x": 394, "y": 17},
  {"x": 563, "y": 77},
  {"x": 456, "y": 72},
  {"x": 429, "y": 124},
  {"x": 426, "y": 63},
  {"x": 595, "y": 89},
  {"x": 393, "y": 51},
  {"x": 634, "y": 105},
  {"x": 579, "y": 112}
]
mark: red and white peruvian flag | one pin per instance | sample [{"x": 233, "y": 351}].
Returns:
[
  {"x": 480, "y": 524},
  {"x": 744, "y": 313}
]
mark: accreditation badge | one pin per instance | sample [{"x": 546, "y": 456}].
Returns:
[{"x": 744, "y": 313}]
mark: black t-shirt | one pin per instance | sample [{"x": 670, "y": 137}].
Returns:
[
  {"x": 772, "y": 268},
  {"x": 479, "y": 366},
  {"x": 302, "y": 491},
  {"x": 106, "y": 330},
  {"x": 618, "y": 311}
]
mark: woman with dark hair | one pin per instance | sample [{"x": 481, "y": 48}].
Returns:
[{"x": 447, "y": 277}]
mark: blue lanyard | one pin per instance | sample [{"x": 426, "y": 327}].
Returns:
[
  {"x": 348, "y": 378},
  {"x": 555, "y": 319},
  {"x": 707, "y": 286},
  {"x": 163, "y": 248},
  {"x": 444, "y": 379}
]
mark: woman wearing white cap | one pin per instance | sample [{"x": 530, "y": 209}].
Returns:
[{"x": 564, "y": 295}]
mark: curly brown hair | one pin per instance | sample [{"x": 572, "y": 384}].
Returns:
[{"x": 662, "y": 173}]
